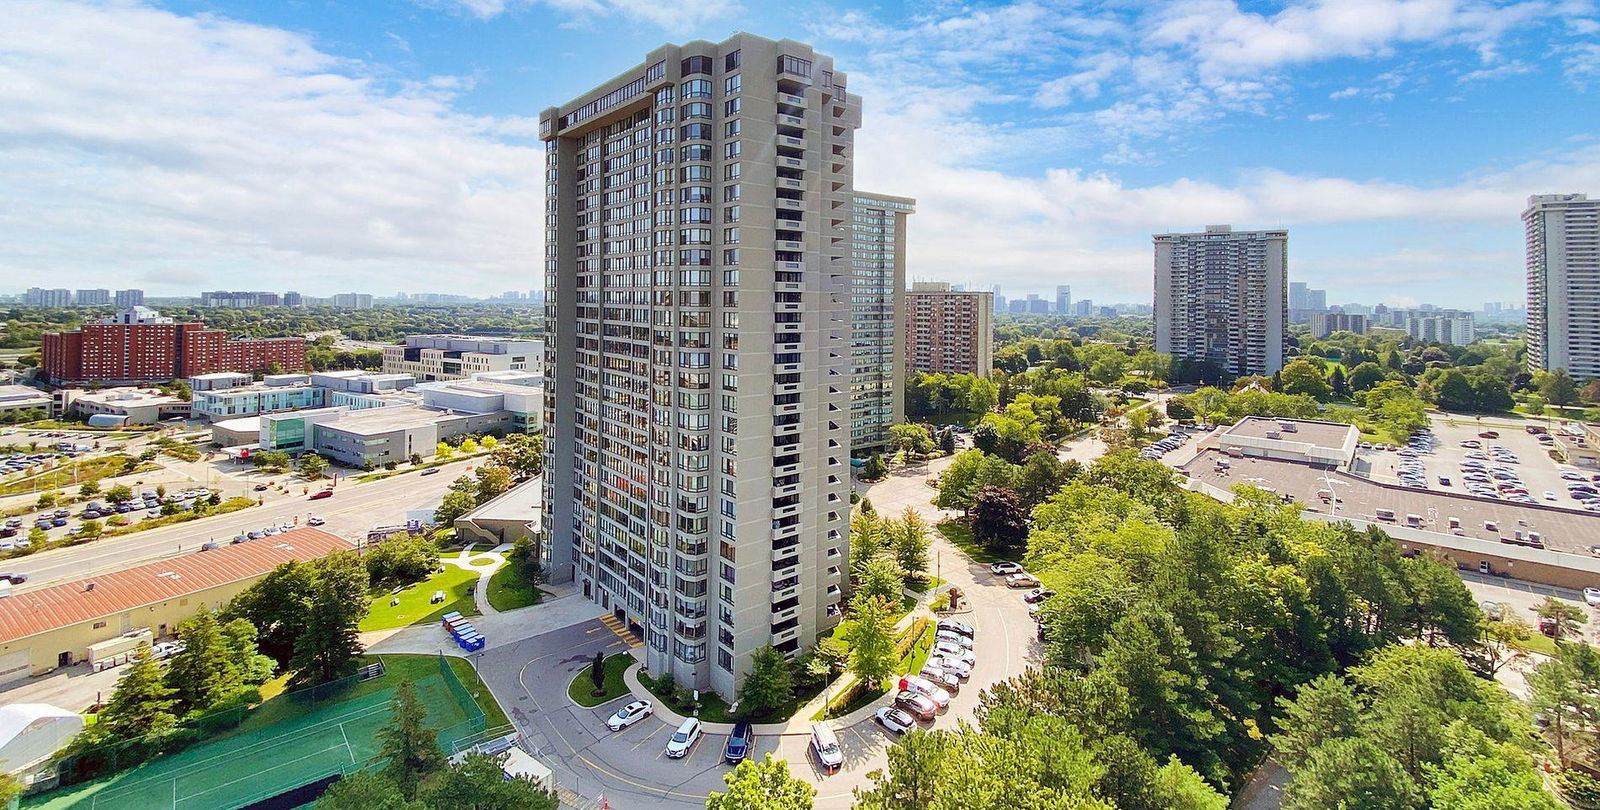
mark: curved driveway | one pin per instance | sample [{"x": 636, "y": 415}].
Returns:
[{"x": 630, "y": 768}]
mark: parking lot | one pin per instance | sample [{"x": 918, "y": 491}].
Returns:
[
  {"x": 1564, "y": 529},
  {"x": 1533, "y": 465}
]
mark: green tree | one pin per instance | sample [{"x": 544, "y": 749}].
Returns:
[
  {"x": 912, "y": 440},
  {"x": 479, "y": 783},
  {"x": 89, "y": 489},
  {"x": 443, "y": 451},
  {"x": 1558, "y": 388},
  {"x": 1040, "y": 476},
  {"x": 493, "y": 481},
  {"x": 408, "y": 746},
  {"x": 10, "y": 789},
  {"x": 1325, "y": 709},
  {"x": 312, "y": 466},
  {"x": 120, "y": 493},
  {"x": 910, "y": 538},
  {"x": 874, "y": 469},
  {"x": 1303, "y": 378},
  {"x": 521, "y": 453},
  {"x": 91, "y": 528},
  {"x": 947, "y": 441},
  {"x": 998, "y": 519},
  {"x": 768, "y": 684},
  {"x": 1365, "y": 376},
  {"x": 871, "y": 639},
  {"x": 1338, "y": 382},
  {"x": 880, "y": 578},
  {"x": 763, "y": 785},
  {"x": 1455, "y": 391},
  {"x": 141, "y": 705},
  {"x": 38, "y": 538},
  {"x": 1350, "y": 773},
  {"x": 276, "y": 605},
  {"x": 401, "y": 559},
  {"x": 328, "y": 646},
  {"x": 365, "y": 790},
  {"x": 461, "y": 498},
  {"x": 203, "y": 674}
]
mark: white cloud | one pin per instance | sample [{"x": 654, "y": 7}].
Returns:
[
  {"x": 1513, "y": 68},
  {"x": 672, "y": 15},
  {"x": 1318, "y": 116},
  {"x": 136, "y": 141},
  {"x": 1581, "y": 64},
  {"x": 1226, "y": 40}
]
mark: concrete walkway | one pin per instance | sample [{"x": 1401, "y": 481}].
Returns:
[
  {"x": 485, "y": 563},
  {"x": 561, "y": 609},
  {"x": 800, "y": 722}
]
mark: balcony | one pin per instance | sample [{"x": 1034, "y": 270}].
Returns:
[
  {"x": 791, "y": 120},
  {"x": 792, "y": 100},
  {"x": 785, "y": 491},
  {"x": 789, "y": 633},
  {"x": 790, "y": 205},
  {"x": 788, "y": 244},
  {"x": 791, "y": 612}
]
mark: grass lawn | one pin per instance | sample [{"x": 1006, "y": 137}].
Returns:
[
  {"x": 960, "y": 536},
  {"x": 615, "y": 687},
  {"x": 457, "y": 584},
  {"x": 507, "y": 592},
  {"x": 713, "y": 709},
  {"x": 76, "y": 474}
]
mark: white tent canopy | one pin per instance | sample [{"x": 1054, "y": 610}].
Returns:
[{"x": 31, "y": 732}]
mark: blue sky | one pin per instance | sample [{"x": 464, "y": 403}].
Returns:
[{"x": 382, "y": 146}]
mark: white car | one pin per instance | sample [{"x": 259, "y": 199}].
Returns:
[
  {"x": 1004, "y": 568},
  {"x": 315, "y": 521},
  {"x": 955, "y": 652},
  {"x": 1022, "y": 581},
  {"x": 895, "y": 720},
  {"x": 1592, "y": 596},
  {"x": 953, "y": 665},
  {"x": 684, "y": 738},
  {"x": 1549, "y": 495},
  {"x": 630, "y": 714},
  {"x": 954, "y": 638}
]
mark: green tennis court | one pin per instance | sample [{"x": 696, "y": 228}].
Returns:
[{"x": 242, "y": 768}]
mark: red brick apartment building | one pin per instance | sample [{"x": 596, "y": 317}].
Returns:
[{"x": 139, "y": 345}]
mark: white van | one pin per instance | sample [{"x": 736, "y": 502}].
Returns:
[
  {"x": 826, "y": 747},
  {"x": 1384, "y": 514}
]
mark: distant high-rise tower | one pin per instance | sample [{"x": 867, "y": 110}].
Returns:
[
  {"x": 129, "y": 298},
  {"x": 92, "y": 298},
  {"x": 1063, "y": 299},
  {"x": 877, "y": 316},
  {"x": 1221, "y": 298},
  {"x": 1563, "y": 245},
  {"x": 949, "y": 331},
  {"x": 697, "y": 262}
]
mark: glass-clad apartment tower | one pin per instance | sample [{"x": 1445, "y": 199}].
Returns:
[
  {"x": 697, "y": 274},
  {"x": 877, "y": 317}
]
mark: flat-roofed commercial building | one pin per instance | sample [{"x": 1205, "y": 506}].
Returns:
[
  {"x": 459, "y": 357},
  {"x": 123, "y": 406},
  {"x": 1563, "y": 261},
  {"x": 22, "y": 398},
  {"x": 949, "y": 331},
  {"x": 1221, "y": 299},
  {"x": 45, "y": 628},
  {"x": 697, "y": 408},
  {"x": 1313, "y": 442},
  {"x": 877, "y": 316}
]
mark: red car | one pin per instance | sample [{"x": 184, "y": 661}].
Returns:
[
  {"x": 1489, "y": 434},
  {"x": 317, "y": 496}
]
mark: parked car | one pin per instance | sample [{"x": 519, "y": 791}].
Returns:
[
  {"x": 957, "y": 627},
  {"x": 261, "y": 487},
  {"x": 917, "y": 705},
  {"x": 1037, "y": 595},
  {"x": 923, "y": 686},
  {"x": 1005, "y": 568},
  {"x": 954, "y": 666},
  {"x": 684, "y": 738},
  {"x": 955, "y": 652},
  {"x": 1489, "y": 434},
  {"x": 1592, "y": 596},
  {"x": 1547, "y": 626},
  {"x": 895, "y": 720},
  {"x": 942, "y": 678},
  {"x": 630, "y": 714},
  {"x": 953, "y": 638},
  {"x": 317, "y": 496},
  {"x": 1491, "y": 610},
  {"x": 1022, "y": 581},
  {"x": 739, "y": 742}
]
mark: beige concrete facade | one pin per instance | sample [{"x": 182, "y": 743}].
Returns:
[
  {"x": 949, "y": 331},
  {"x": 697, "y": 407},
  {"x": 1563, "y": 267},
  {"x": 1221, "y": 299}
]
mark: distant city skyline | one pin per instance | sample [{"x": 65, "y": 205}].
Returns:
[{"x": 412, "y": 159}]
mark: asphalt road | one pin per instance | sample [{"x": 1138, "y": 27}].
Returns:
[
  {"x": 630, "y": 768},
  {"x": 352, "y": 510}
]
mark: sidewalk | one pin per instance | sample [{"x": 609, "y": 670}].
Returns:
[{"x": 562, "y": 609}]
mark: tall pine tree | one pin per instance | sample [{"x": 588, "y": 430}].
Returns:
[{"x": 409, "y": 745}]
